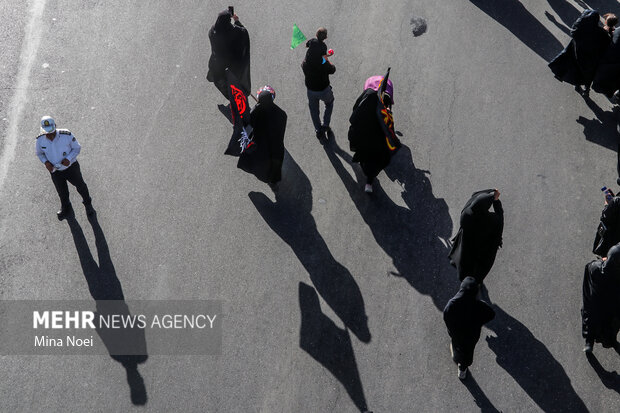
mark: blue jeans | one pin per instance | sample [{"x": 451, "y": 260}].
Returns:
[{"x": 327, "y": 96}]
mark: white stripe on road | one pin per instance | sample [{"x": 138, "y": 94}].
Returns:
[{"x": 32, "y": 39}]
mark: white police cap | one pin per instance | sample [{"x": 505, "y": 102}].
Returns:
[{"x": 48, "y": 125}]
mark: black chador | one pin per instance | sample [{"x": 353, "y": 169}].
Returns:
[
  {"x": 464, "y": 316},
  {"x": 577, "y": 63},
  {"x": 600, "y": 314},
  {"x": 230, "y": 48},
  {"x": 269, "y": 125},
  {"x": 475, "y": 245},
  {"x": 371, "y": 134},
  {"x": 608, "y": 232},
  {"x": 607, "y": 78}
]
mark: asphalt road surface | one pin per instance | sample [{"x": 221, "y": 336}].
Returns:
[{"x": 332, "y": 299}]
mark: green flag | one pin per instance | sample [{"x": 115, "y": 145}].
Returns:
[{"x": 298, "y": 37}]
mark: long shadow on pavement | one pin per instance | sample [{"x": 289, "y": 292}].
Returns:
[
  {"x": 566, "y": 11},
  {"x": 291, "y": 218},
  {"x": 610, "y": 379},
  {"x": 481, "y": 400},
  {"x": 329, "y": 345},
  {"x": 532, "y": 366},
  {"x": 603, "y": 129},
  {"x": 106, "y": 290},
  {"x": 515, "y": 17},
  {"x": 415, "y": 236}
]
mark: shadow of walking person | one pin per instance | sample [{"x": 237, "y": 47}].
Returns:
[
  {"x": 125, "y": 345},
  {"x": 481, "y": 399},
  {"x": 329, "y": 345},
  {"x": 290, "y": 217},
  {"x": 566, "y": 12},
  {"x": 415, "y": 237},
  {"x": 610, "y": 379},
  {"x": 517, "y": 19},
  {"x": 603, "y": 129},
  {"x": 531, "y": 365}
]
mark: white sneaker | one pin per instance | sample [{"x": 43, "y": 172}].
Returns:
[
  {"x": 462, "y": 374},
  {"x": 368, "y": 188}
]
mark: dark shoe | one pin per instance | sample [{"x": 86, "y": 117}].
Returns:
[
  {"x": 320, "y": 135},
  {"x": 90, "y": 211},
  {"x": 328, "y": 131},
  {"x": 64, "y": 212},
  {"x": 578, "y": 89},
  {"x": 589, "y": 347}
]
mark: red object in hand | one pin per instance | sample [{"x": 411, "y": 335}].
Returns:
[{"x": 330, "y": 52}]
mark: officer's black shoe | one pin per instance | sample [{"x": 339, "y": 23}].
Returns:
[
  {"x": 64, "y": 212},
  {"x": 90, "y": 211},
  {"x": 320, "y": 135}
]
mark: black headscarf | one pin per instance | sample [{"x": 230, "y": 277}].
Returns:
[{"x": 222, "y": 24}]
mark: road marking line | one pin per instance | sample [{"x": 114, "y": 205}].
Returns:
[{"x": 32, "y": 39}]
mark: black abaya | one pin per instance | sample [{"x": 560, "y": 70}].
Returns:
[
  {"x": 464, "y": 316},
  {"x": 475, "y": 245}
]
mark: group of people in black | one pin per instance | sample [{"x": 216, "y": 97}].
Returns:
[
  {"x": 473, "y": 253},
  {"x": 592, "y": 58},
  {"x": 371, "y": 136},
  {"x": 600, "y": 314},
  {"x": 373, "y": 140}
]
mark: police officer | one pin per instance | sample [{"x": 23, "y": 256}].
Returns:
[{"x": 58, "y": 150}]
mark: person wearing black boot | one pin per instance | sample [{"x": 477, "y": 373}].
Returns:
[{"x": 58, "y": 149}]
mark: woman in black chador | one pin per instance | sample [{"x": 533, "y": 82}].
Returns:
[
  {"x": 600, "y": 314},
  {"x": 230, "y": 48},
  {"x": 371, "y": 131},
  {"x": 464, "y": 316},
  {"x": 269, "y": 125},
  {"x": 577, "y": 63},
  {"x": 475, "y": 245},
  {"x": 607, "y": 78}
]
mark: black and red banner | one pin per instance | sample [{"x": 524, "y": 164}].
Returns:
[{"x": 241, "y": 139}]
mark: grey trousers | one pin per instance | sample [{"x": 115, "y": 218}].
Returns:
[{"x": 327, "y": 96}]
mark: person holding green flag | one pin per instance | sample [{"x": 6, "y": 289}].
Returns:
[{"x": 317, "y": 68}]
